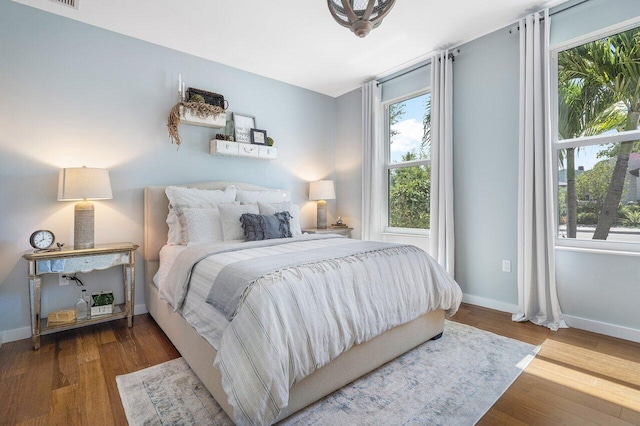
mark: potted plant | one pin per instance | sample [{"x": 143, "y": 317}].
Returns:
[{"x": 102, "y": 303}]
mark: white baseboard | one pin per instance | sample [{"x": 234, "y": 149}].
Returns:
[
  {"x": 25, "y": 332},
  {"x": 594, "y": 326},
  {"x": 612, "y": 330},
  {"x": 490, "y": 303},
  {"x": 140, "y": 309},
  {"x": 16, "y": 334}
]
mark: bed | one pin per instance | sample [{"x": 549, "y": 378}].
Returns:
[{"x": 199, "y": 353}]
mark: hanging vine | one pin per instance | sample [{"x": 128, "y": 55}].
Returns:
[{"x": 200, "y": 109}]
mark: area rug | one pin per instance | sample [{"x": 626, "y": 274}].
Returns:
[{"x": 450, "y": 381}]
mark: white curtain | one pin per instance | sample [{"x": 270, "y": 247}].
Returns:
[
  {"x": 441, "y": 233},
  {"x": 537, "y": 294},
  {"x": 372, "y": 162}
]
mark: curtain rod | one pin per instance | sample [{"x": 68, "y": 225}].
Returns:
[
  {"x": 517, "y": 27},
  {"x": 452, "y": 55},
  {"x": 404, "y": 73},
  {"x": 457, "y": 51}
]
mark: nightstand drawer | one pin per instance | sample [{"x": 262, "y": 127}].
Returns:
[
  {"x": 70, "y": 265},
  {"x": 340, "y": 231}
]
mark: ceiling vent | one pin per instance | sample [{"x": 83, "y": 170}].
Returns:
[{"x": 70, "y": 3}]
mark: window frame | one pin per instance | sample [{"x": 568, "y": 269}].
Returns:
[
  {"x": 556, "y": 144},
  {"x": 388, "y": 166}
]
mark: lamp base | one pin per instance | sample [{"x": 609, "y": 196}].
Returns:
[
  {"x": 322, "y": 215},
  {"x": 83, "y": 225}
]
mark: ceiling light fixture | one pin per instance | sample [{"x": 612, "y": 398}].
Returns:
[{"x": 361, "y": 16}]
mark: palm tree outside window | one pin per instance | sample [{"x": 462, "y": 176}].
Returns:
[{"x": 597, "y": 138}]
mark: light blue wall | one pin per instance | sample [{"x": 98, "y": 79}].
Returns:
[
  {"x": 73, "y": 95},
  {"x": 485, "y": 155},
  {"x": 349, "y": 160}
]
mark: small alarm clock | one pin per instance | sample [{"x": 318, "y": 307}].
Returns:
[{"x": 42, "y": 239}]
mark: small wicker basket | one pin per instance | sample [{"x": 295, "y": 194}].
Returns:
[{"x": 210, "y": 98}]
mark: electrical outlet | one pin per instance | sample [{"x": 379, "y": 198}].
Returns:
[
  {"x": 506, "y": 265},
  {"x": 62, "y": 280}
]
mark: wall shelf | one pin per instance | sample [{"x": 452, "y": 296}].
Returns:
[
  {"x": 237, "y": 149},
  {"x": 217, "y": 122}
]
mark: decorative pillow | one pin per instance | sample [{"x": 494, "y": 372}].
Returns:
[
  {"x": 182, "y": 197},
  {"x": 230, "y": 216},
  {"x": 265, "y": 227},
  {"x": 253, "y": 197},
  {"x": 203, "y": 226},
  {"x": 293, "y": 209}
]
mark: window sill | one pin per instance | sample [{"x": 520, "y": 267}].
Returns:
[
  {"x": 406, "y": 232},
  {"x": 598, "y": 247}
]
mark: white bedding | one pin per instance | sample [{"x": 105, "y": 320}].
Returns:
[
  {"x": 204, "y": 318},
  {"x": 283, "y": 333},
  {"x": 209, "y": 322}
]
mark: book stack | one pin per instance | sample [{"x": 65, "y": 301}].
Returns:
[{"x": 63, "y": 316}]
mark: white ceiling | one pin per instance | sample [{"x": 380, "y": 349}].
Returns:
[{"x": 297, "y": 41}]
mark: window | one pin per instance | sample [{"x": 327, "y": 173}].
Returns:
[
  {"x": 408, "y": 162},
  {"x": 596, "y": 138}
]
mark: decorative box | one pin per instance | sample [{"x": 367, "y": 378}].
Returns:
[
  {"x": 63, "y": 316},
  {"x": 102, "y": 303}
]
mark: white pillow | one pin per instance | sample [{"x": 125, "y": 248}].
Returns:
[
  {"x": 180, "y": 195},
  {"x": 230, "y": 216},
  {"x": 181, "y": 198},
  {"x": 293, "y": 209},
  {"x": 175, "y": 229},
  {"x": 203, "y": 226},
  {"x": 178, "y": 232},
  {"x": 271, "y": 196}
]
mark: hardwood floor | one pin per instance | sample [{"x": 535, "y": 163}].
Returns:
[
  {"x": 578, "y": 378},
  {"x": 71, "y": 379}
]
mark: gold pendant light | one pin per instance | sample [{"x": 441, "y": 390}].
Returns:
[{"x": 361, "y": 16}]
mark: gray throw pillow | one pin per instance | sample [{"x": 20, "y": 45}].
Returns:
[{"x": 265, "y": 227}]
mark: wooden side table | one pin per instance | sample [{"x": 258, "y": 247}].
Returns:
[
  {"x": 69, "y": 261},
  {"x": 340, "y": 231}
]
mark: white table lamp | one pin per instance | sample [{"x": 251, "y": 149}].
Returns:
[
  {"x": 82, "y": 184},
  {"x": 321, "y": 191}
]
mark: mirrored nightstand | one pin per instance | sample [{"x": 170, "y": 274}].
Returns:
[{"x": 340, "y": 231}]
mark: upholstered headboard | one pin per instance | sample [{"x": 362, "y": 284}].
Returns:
[{"x": 156, "y": 208}]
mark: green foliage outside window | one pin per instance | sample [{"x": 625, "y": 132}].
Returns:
[
  {"x": 410, "y": 195},
  {"x": 598, "y": 94},
  {"x": 410, "y": 185}
]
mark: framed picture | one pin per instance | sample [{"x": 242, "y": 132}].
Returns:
[
  {"x": 258, "y": 137},
  {"x": 242, "y": 127}
]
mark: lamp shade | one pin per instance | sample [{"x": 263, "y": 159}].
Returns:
[
  {"x": 322, "y": 190},
  {"x": 79, "y": 183}
]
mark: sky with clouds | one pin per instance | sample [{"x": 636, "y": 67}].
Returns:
[{"x": 409, "y": 128}]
